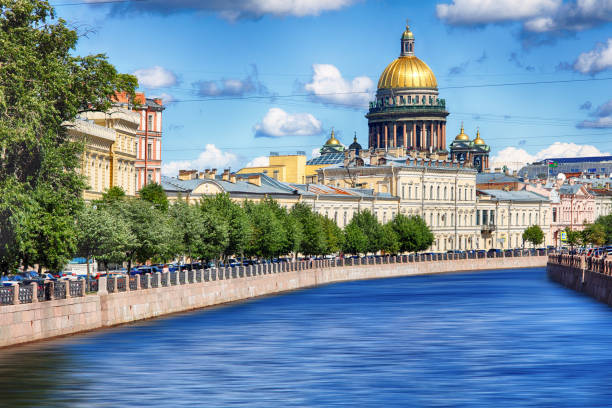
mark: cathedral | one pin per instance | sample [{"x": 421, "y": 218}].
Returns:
[{"x": 408, "y": 116}]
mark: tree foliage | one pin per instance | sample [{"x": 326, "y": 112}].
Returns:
[
  {"x": 413, "y": 234},
  {"x": 154, "y": 193},
  {"x": 43, "y": 86},
  {"x": 533, "y": 235},
  {"x": 594, "y": 234}
]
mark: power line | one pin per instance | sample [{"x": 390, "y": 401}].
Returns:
[{"x": 95, "y": 3}]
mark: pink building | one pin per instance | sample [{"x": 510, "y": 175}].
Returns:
[
  {"x": 148, "y": 140},
  {"x": 572, "y": 206}
]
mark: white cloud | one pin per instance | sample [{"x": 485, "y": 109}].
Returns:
[
  {"x": 155, "y": 77},
  {"x": 260, "y": 161},
  {"x": 596, "y": 60},
  {"x": 328, "y": 86},
  {"x": 537, "y": 16},
  {"x": 316, "y": 152},
  {"x": 232, "y": 86},
  {"x": 278, "y": 123},
  {"x": 232, "y": 9},
  {"x": 515, "y": 158},
  {"x": 211, "y": 157},
  {"x": 470, "y": 12}
]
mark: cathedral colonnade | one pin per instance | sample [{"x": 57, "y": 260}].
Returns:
[{"x": 416, "y": 134}]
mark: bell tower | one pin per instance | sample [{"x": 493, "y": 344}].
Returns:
[{"x": 407, "y": 42}]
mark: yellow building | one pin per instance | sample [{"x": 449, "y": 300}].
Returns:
[
  {"x": 294, "y": 168},
  {"x": 109, "y": 156}
]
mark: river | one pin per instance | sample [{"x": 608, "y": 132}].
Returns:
[{"x": 495, "y": 338}]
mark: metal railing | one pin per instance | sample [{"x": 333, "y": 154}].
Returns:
[
  {"x": 25, "y": 294},
  {"x": 59, "y": 290},
  {"x": 7, "y": 295},
  {"x": 76, "y": 288}
]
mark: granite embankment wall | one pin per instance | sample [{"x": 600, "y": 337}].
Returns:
[
  {"x": 590, "y": 276},
  {"x": 28, "y": 322}
]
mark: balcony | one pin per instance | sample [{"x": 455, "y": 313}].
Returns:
[
  {"x": 439, "y": 107},
  {"x": 487, "y": 229}
]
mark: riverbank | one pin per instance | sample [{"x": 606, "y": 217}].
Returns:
[
  {"x": 585, "y": 275},
  {"x": 22, "y": 323}
]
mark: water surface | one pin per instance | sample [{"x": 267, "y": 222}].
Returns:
[{"x": 499, "y": 338}]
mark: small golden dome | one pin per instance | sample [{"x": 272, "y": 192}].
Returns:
[
  {"x": 407, "y": 72},
  {"x": 478, "y": 140},
  {"x": 407, "y": 34},
  {"x": 462, "y": 137},
  {"x": 332, "y": 140}
]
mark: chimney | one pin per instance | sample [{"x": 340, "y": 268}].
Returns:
[
  {"x": 255, "y": 179},
  {"x": 225, "y": 175},
  {"x": 213, "y": 173},
  {"x": 187, "y": 174},
  {"x": 232, "y": 178}
]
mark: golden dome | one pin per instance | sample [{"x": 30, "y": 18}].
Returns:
[
  {"x": 332, "y": 140},
  {"x": 462, "y": 137},
  {"x": 407, "y": 72},
  {"x": 478, "y": 140}
]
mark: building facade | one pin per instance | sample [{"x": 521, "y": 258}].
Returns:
[
  {"x": 109, "y": 156},
  {"x": 147, "y": 143}
]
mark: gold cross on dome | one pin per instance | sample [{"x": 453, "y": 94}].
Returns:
[{"x": 408, "y": 24}]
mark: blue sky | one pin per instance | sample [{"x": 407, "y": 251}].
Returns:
[{"x": 244, "y": 78}]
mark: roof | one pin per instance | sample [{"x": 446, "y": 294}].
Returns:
[
  {"x": 576, "y": 159},
  {"x": 570, "y": 189},
  {"x": 483, "y": 178},
  {"x": 521, "y": 195},
  {"x": 327, "y": 158}
]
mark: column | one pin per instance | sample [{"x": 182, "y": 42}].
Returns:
[
  {"x": 413, "y": 135},
  {"x": 438, "y": 137},
  {"x": 423, "y": 136},
  {"x": 386, "y": 138},
  {"x": 444, "y": 135},
  {"x": 405, "y": 135},
  {"x": 431, "y": 135},
  {"x": 377, "y": 136},
  {"x": 394, "y": 134}
]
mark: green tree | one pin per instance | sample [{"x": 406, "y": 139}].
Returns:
[
  {"x": 594, "y": 234},
  {"x": 313, "y": 236},
  {"x": 113, "y": 194},
  {"x": 155, "y": 236},
  {"x": 154, "y": 193},
  {"x": 413, "y": 234},
  {"x": 268, "y": 235},
  {"x": 239, "y": 228},
  {"x": 372, "y": 229},
  {"x": 334, "y": 238},
  {"x": 390, "y": 239},
  {"x": 534, "y": 235},
  {"x": 573, "y": 237},
  {"x": 355, "y": 240},
  {"x": 293, "y": 231},
  {"x": 101, "y": 234},
  {"x": 43, "y": 86},
  {"x": 606, "y": 222}
]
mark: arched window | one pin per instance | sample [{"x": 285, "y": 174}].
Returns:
[
  {"x": 445, "y": 192},
  {"x": 452, "y": 193},
  {"x": 438, "y": 193},
  {"x": 459, "y": 194},
  {"x": 523, "y": 218},
  {"x": 409, "y": 191},
  {"x": 431, "y": 192}
]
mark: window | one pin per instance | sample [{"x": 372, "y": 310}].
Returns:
[
  {"x": 459, "y": 194},
  {"x": 431, "y": 192},
  {"x": 403, "y": 191},
  {"x": 149, "y": 150},
  {"x": 150, "y": 122},
  {"x": 149, "y": 176},
  {"x": 136, "y": 148},
  {"x": 438, "y": 193},
  {"x": 452, "y": 193},
  {"x": 344, "y": 218},
  {"x": 409, "y": 191},
  {"x": 445, "y": 192},
  {"x": 554, "y": 215},
  {"x": 477, "y": 217},
  {"x": 416, "y": 192}
]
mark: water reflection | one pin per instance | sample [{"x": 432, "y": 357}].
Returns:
[{"x": 503, "y": 338}]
